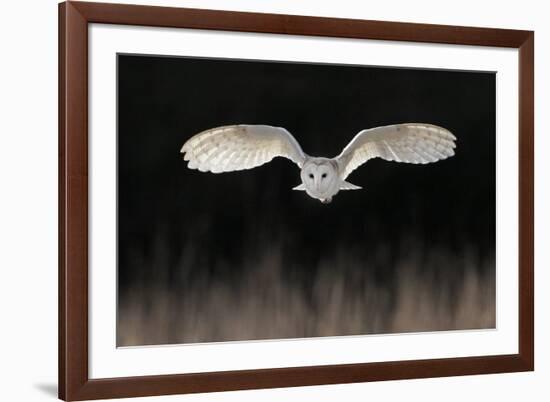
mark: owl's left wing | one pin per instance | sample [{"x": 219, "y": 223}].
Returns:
[
  {"x": 239, "y": 147},
  {"x": 408, "y": 142}
]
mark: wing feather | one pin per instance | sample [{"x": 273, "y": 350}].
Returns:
[
  {"x": 409, "y": 142},
  {"x": 239, "y": 147}
]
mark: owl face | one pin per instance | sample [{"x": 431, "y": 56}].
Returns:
[{"x": 320, "y": 178}]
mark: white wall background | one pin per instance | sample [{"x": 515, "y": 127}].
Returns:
[{"x": 28, "y": 198}]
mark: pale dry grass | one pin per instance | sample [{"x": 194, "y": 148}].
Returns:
[{"x": 340, "y": 299}]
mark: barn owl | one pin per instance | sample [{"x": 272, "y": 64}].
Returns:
[{"x": 240, "y": 147}]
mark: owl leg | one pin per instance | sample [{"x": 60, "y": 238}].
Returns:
[{"x": 348, "y": 186}]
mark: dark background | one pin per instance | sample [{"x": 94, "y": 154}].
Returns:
[{"x": 171, "y": 217}]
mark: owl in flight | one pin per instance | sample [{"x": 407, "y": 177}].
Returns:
[{"x": 240, "y": 147}]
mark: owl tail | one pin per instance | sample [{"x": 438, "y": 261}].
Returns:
[{"x": 348, "y": 186}]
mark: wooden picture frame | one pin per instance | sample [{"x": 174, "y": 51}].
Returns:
[{"x": 74, "y": 381}]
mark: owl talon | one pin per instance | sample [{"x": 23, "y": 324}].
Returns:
[{"x": 326, "y": 200}]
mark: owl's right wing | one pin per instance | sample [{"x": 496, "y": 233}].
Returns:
[
  {"x": 240, "y": 147},
  {"x": 408, "y": 142}
]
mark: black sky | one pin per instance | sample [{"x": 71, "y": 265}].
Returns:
[{"x": 163, "y": 101}]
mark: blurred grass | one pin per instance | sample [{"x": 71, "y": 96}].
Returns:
[{"x": 342, "y": 297}]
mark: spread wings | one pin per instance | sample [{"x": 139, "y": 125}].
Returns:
[
  {"x": 409, "y": 142},
  {"x": 239, "y": 147}
]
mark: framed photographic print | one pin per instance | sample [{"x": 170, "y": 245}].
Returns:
[{"x": 258, "y": 200}]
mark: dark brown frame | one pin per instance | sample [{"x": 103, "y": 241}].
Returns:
[{"x": 74, "y": 383}]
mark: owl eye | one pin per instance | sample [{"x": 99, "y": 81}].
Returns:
[
  {"x": 324, "y": 175},
  {"x": 311, "y": 175}
]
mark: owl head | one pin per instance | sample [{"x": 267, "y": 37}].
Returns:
[{"x": 320, "y": 178}]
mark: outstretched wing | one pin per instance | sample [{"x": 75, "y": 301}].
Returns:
[
  {"x": 409, "y": 142},
  {"x": 239, "y": 147}
]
